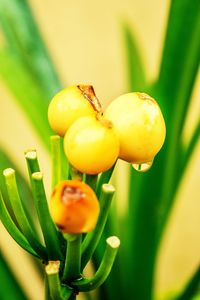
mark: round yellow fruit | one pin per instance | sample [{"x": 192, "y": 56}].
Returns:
[
  {"x": 69, "y": 105},
  {"x": 91, "y": 145},
  {"x": 139, "y": 124},
  {"x": 74, "y": 207}
]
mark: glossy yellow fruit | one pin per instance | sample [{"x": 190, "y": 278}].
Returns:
[
  {"x": 140, "y": 126},
  {"x": 74, "y": 207},
  {"x": 70, "y": 104},
  {"x": 91, "y": 145}
]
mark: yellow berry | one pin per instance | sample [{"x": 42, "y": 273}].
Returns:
[
  {"x": 74, "y": 207},
  {"x": 70, "y": 104},
  {"x": 91, "y": 145},
  {"x": 139, "y": 123}
]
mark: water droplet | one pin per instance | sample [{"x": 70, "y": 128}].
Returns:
[{"x": 144, "y": 167}]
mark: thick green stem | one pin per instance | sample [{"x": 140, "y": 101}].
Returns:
[
  {"x": 91, "y": 241},
  {"x": 104, "y": 269},
  {"x": 91, "y": 180},
  {"x": 12, "y": 228},
  {"x": 49, "y": 230},
  {"x": 73, "y": 257},
  {"x": 55, "y": 288},
  {"x": 56, "y": 160},
  {"x": 20, "y": 215}
]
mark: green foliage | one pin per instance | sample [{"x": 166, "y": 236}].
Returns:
[
  {"x": 25, "y": 57},
  {"x": 9, "y": 288}
]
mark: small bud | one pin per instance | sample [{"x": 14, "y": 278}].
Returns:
[{"x": 74, "y": 207}]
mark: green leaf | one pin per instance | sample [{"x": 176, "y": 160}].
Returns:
[
  {"x": 180, "y": 64},
  {"x": 9, "y": 287},
  {"x": 192, "y": 286},
  {"x": 136, "y": 74},
  {"x": 187, "y": 153},
  {"x": 26, "y": 92},
  {"x": 24, "y": 40},
  {"x": 180, "y": 60}
]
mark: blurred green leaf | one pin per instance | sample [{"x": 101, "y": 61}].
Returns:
[
  {"x": 25, "y": 42},
  {"x": 192, "y": 286},
  {"x": 180, "y": 60},
  {"x": 188, "y": 151},
  {"x": 26, "y": 92},
  {"x": 184, "y": 52},
  {"x": 135, "y": 70},
  {"x": 9, "y": 287}
]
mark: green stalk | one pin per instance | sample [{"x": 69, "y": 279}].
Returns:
[
  {"x": 20, "y": 215},
  {"x": 55, "y": 288},
  {"x": 56, "y": 160},
  {"x": 13, "y": 230},
  {"x": 52, "y": 271},
  {"x": 91, "y": 180},
  {"x": 104, "y": 178},
  {"x": 73, "y": 257},
  {"x": 5, "y": 161},
  {"x": 92, "y": 239},
  {"x": 74, "y": 173},
  {"x": 103, "y": 270},
  {"x": 49, "y": 230},
  {"x": 32, "y": 161}
]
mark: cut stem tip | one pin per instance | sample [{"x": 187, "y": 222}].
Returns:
[
  {"x": 37, "y": 176},
  {"x": 113, "y": 242},
  {"x": 54, "y": 137},
  {"x": 52, "y": 267},
  {"x": 108, "y": 188},
  {"x": 31, "y": 154},
  {"x": 8, "y": 172}
]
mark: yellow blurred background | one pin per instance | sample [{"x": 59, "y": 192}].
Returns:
[{"x": 85, "y": 42}]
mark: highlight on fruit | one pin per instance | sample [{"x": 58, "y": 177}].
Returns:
[
  {"x": 74, "y": 207},
  {"x": 91, "y": 145}
]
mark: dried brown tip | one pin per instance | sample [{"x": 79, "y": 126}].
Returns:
[{"x": 89, "y": 94}]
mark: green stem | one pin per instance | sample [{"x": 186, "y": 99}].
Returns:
[
  {"x": 56, "y": 160},
  {"x": 73, "y": 257},
  {"x": 91, "y": 180},
  {"x": 75, "y": 174},
  {"x": 104, "y": 178},
  {"x": 55, "y": 288},
  {"x": 20, "y": 215},
  {"x": 91, "y": 241},
  {"x": 13, "y": 230},
  {"x": 103, "y": 270},
  {"x": 49, "y": 230}
]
